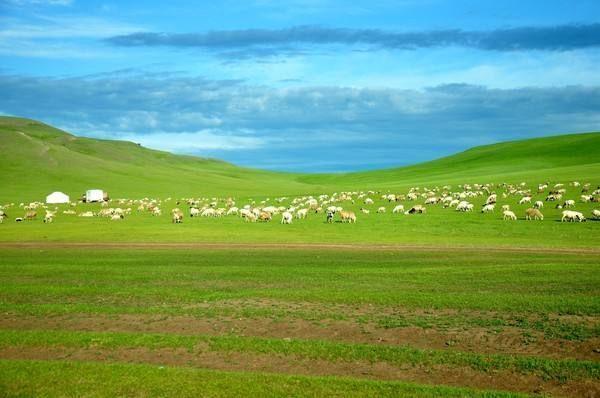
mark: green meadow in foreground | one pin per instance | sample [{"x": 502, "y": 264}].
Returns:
[{"x": 519, "y": 322}]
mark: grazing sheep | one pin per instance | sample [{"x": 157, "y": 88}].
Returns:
[
  {"x": 525, "y": 199},
  {"x": 418, "y": 209},
  {"x": 569, "y": 203},
  {"x": 381, "y": 210},
  {"x": 595, "y": 214},
  {"x": 538, "y": 204},
  {"x": 30, "y": 215},
  {"x": 3, "y": 215},
  {"x": 533, "y": 213},
  {"x": 302, "y": 213},
  {"x": 365, "y": 211},
  {"x": 398, "y": 209},
  {"x": 116, "y": 217},
  {"x": 194, "y": 212},
  {"x": 348, "y": 216},
  {"x": 210, "y": 212},
  {"x": 570, "y": 215},
  {"x": 49, "y": 217},
  {"x": 177, "y": 216},
  {"x": 369, "y": 201},
  {"x": 508, "y": 215},
  {"x": 86, "y": 214},
  {"x": 286, "y": 217},
  {"x": 488, "y": 208},
  {"x": 491, "y": 199},
  {"x": 249, "y": 217},
  {"x": 265, "y": 216},
  {"x": 330, "y": 217},
  {"x": 463, "y": 206}
]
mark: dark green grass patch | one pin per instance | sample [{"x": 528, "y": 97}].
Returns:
[{"x": 509, "y": 282}]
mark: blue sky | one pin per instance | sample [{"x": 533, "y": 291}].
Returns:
[{"x": 304, "y": 85}]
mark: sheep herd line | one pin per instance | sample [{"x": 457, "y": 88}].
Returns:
[{"x": 334, "y": 207}]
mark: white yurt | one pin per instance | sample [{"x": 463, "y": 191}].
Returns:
[
  {"x": 94, "y": 195},
  {"x": 57, "y": 197}
]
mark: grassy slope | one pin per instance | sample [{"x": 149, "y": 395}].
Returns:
[
  {"x": 564, "y": 157},
  {"x": 38, "y": 159}
]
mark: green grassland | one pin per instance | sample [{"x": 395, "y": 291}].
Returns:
[
  {"x": 66, "y": 305},
  {"x": 438, "y": 304}
]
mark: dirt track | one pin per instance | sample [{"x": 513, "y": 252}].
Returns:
[{"x": 294, "y": 246}]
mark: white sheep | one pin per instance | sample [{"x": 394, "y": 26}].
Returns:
[
  {"x": 302, "y": 213},
  {"x": 596, "y": 213},
  {"x": 538, "y": 204},
  {"x": 570, "y": 215},
  {"x": 286, "y": 217},
  {"x": 194, "y": 212},
  {"x": 488, "y": 208},
  {"x": 505, "y": 207},
  {"x": 508, "y": 215},
  {"x": 398, "y": 209},
  {"x": 381, "y": 210},
  {"x": 525, "y": 199},
  {"x": 462, "y": 206}
]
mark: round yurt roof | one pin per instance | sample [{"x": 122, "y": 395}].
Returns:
[{"x": 57, "y": 197}]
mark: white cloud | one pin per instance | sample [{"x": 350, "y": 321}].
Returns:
[
  {"x": 22, "y": 3},
  {"x": 188, "y": 142}
]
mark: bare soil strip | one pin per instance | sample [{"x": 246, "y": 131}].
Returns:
[
  {"x": 475, "y": 340},
  {"x": 234, "y": 361},
  {"x": 296, "y": 246}
]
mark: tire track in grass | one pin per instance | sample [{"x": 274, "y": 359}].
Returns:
[
  {"x": 294, "y": 246},
  {"x": 521, "y": 372},
  {"x": 58, "y": 378}
]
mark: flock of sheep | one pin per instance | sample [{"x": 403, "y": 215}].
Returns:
[{"x": 335, "y": 205}]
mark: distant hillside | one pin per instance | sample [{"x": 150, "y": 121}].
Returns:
[
  {"x": 563, "y": 157},
  {"x": 38, "y": 159}
]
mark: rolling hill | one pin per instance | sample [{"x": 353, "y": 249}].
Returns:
[
  {"x": 571, "y": 156},
  {"x": 38, "y": 159}
]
